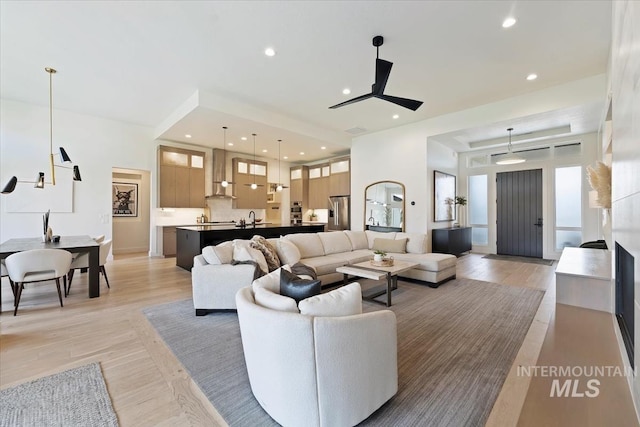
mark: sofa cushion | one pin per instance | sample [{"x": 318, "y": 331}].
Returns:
[
  {"x": 297, "y": 288},
  {"x": 220, "y": 254},
  {"x": 335, "y": 242},
  {"x": 396, "y": 246},
  {"x": 358, "y": 239},
  {"x": 354, "y": 257},
  {"x": 269, "y": 252},
  {"x": 270, "y": 281},
  {"x": 325, "y": 264},
  {"x": 287, "y": 252},
  {"x": 372, "y": 235},
  {"x": 344, "y": 301},
  {"x": 309, "y": 244},
  {"x": 416, "y": 242},
  {"x": 430, "y": 261},
  {"x": 247, "y": 253},
  {"x": 274, "y": 301}
]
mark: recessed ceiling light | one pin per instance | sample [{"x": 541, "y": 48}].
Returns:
[
  {"x": 285, "y": 157},
  {"x": 323, "y": 148},
  {"x": 244, "y": 138},
  {"x": 395, "y": 116},
  {"x": 509, "y": 22},
  {"x": 230, "y": 144},
  {"x": 187, "y": 136},
  {"x": 264, "y": 151},
  {"x": 302, "y": 153},
  {"x": 269, "y": 51},
  {"x": 346, "y": 91},
  {"x": 532, "y": 76}
]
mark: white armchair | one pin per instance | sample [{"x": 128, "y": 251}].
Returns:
[
  {"x": 82, "y": 262},
  {"x": 318, "y": 371}
]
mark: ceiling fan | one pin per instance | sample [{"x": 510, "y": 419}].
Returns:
[{"x": 383, "y": 69}]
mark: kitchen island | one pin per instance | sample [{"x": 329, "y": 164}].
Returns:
[{"x": 191, "y": 239}]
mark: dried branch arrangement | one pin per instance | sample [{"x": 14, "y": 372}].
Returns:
[{"x": 600, "y": 180}]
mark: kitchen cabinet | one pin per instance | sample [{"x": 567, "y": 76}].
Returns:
[
  {"x": 299, "y": 183},
  {"x": 452, "y": 241},
  {"x": 340, "y": 177},
  {"x": 169, "y": 241},
  {"x": 245, "y": 173},
  {"x": 181, "y": 178},
  {"x": 319, "y": 176}
]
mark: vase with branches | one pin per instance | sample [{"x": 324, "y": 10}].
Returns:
[{"x": 461, "y": 202}]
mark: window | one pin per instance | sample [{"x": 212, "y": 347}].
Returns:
[
  {"x": 568, "y": 188},
  {"x": 478, "y": 210}
]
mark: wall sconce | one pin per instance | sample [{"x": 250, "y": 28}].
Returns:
[{"x": 40, "y": 182}]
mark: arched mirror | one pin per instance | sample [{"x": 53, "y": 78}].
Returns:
[{"x": 384, "y": 206}]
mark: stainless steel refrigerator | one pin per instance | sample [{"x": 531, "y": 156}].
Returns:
[{"x": 339, "y": 213}]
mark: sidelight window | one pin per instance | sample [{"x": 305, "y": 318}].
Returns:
[
  {"x": 568, "y": 188},
  {"x": 478, "y": 210}
]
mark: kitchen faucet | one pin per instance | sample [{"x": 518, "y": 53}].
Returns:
[{"x": 253, "y": 221}]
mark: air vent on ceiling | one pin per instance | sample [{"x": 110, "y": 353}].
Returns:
[{"x": 355, "y": 131}]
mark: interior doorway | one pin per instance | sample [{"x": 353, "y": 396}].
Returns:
[
  {"x": 131, "y": 202},
  {"x": 519, "y": 213}
]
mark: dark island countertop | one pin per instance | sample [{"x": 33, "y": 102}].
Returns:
[{"x": 191, "y": 239}]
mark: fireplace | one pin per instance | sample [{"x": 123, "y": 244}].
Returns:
[{"x": 625, "y": 283}]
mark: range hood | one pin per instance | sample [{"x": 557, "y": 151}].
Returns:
[{"x": 219, "y": 175}]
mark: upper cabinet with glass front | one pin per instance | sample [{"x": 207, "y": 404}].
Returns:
[
  {"x": 384, "y": 206},
  {"x": 181, "y": 178}
]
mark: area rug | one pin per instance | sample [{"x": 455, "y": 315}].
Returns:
[
  {"x": 526, "y": 259},
  {"x": 456, "y": 345},
  {"x": 77, "y": 397}
]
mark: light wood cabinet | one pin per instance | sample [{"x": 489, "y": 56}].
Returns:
[
  {"x": 299, "y": 183},
  {"x": 319, "y": 176},
  {"x": 245, "y": 173},
  {"x": 169, "y": 241},
  {"x": 340, "y": 177},
  {"x": 181, "y": 178}
]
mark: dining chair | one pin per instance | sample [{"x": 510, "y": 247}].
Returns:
[
  {"x": 82, "y": 262},
  {"x": 37, "y": 265}
]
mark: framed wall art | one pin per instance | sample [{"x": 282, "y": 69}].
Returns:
[
  {"x": 124, "y": 198},
  {"x": 444, "y": 196}
]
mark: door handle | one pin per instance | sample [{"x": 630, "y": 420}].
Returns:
[{"x": 539, "y": 223}]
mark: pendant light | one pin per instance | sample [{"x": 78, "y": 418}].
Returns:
[
  {"x": 254, "y": 185},
  {"x": 224, "y": 181},
  {"x": 510, "y": 158},
  {"x": 279, "y": 187},
  {"x": 40, "y": 182}
]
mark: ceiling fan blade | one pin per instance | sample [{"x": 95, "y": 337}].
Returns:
[
  {"x": 411, "y": 104},
  {"x": 351, "y": 101},
  {"x": 383, "y": 69}
]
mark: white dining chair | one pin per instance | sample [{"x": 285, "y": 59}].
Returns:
[
  {"x": 82, "y": 262},
  {"x": 37, "y": 265}
]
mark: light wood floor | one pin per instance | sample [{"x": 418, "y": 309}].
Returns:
[{"x": 149, "y": 387}]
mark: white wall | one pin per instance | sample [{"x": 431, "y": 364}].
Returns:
[
  {"x": 96, "y": 145},
  {"x": 625, "y": 209},
  {"x": 400, "y": 154}
]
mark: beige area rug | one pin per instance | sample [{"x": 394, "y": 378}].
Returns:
[
  {"x": 456, "y": 345},
  {"x": 77, "y": 397}
]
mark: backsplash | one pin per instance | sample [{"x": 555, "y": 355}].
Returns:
[{"x": 222, "y": 210}]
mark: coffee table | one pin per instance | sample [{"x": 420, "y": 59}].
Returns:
[{"x": 367, "y": 270}]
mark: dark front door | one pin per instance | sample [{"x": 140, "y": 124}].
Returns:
[{"x": 519, "y": 213}]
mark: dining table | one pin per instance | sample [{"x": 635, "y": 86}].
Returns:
[{"x": 73, "y": 244}]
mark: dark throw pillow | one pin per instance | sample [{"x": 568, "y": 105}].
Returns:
[{"x": 294, "y": 287}]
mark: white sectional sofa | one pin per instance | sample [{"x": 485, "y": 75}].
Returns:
[{"x": 215, "y": 285}]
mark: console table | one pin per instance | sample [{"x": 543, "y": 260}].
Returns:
[
  {"x": 583, "y": 279},
  {"x": 454, "y": 241}
]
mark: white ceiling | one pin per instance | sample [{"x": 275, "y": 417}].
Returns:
[{"x": 141, "y": 62}]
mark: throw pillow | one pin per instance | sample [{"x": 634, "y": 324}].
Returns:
[
  {"x": 297, "y": 288},
  {"x": 287, "y": 252},
  {"x": 268, "y": 299},
  {"x": 270, "y": 281},
  {"x": 398, "y": 246},
  {"x": 344, "y": 301},
  {"x": 220, "y": 254},
  {"x": 269, "y": 252},
  {"x": 245, "y": 253}
]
